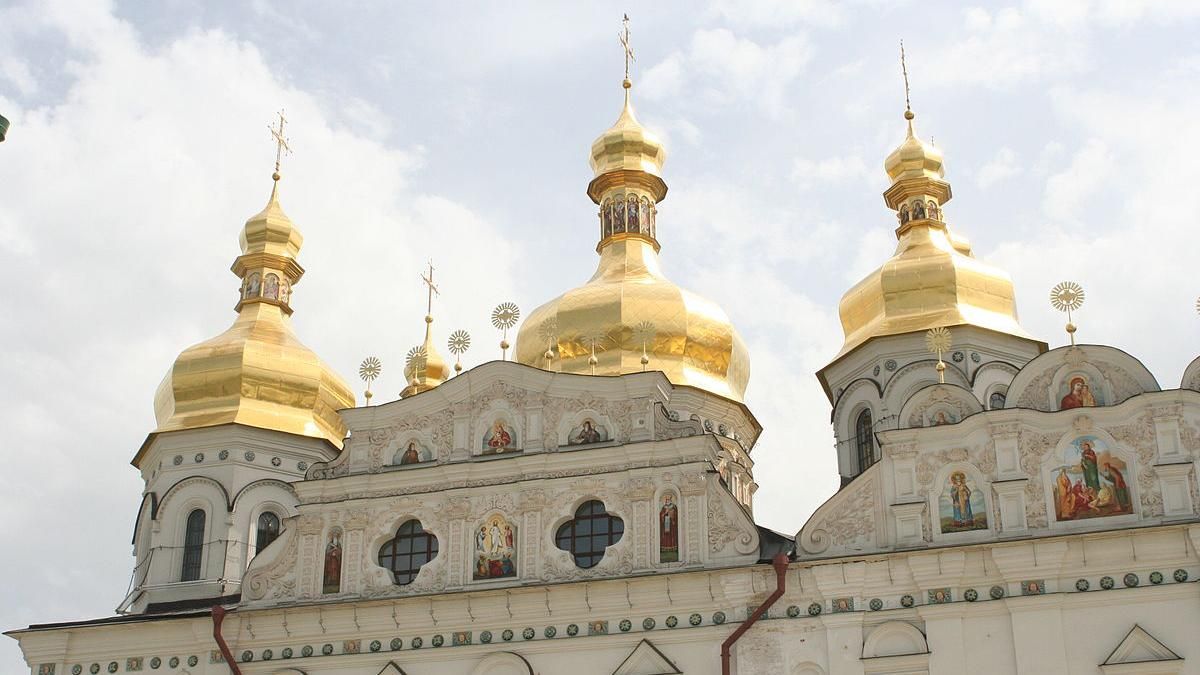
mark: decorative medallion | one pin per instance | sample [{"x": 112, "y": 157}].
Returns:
[
  {"x": 507, "y": 635},
  {"x": 307, "y": 650},
  {"x": 375, "y": 646},
  {"x": 437, "y": 641},
  {"x": 875, "y": 371},
  {"x": 672, "y": 621},
  {"x": 695, "y": 619},
  {"x": 876, "y": 604},
  {"x": 351, "y": 646},
  {"x": 1156, "y": 577},
  {"x": 528, "y": 633},
  {"x": 814, "y": 609},
  {"x": 485, "y": 637},
  {"x": 572, "y": 629},
  {"x": 223, "y": 455},
  {"x": 396, "y": 644},
  {"x": 1180, "y": 575},
  {"x": 996, "y": 592},
  {"x": 840, "y": 605},
  {"x": 416, "y": 642},
  {"x": 303, "y": 466},
  {"x": 113, "y": 666},
  {"x": 1082, "y": 585},
  {"x": 718, "y": 618},
  {"x": 275, "y": 461},
  {"x": 247, "y": 655},
  {"x": 268, "y": 655},
  {"x": 193, "y": 660},
  {"x": 77, "y": 669},
  {"x": 327, "y": 649},
  {"x": 1131, "y": 580},
  {"x": 176, "y": 461},
  {"x": 1107, "y": 583},
  {"x": 939, "y": 596},
  {"x": 957, "y": 357},
  {"x": 597, "y": 628},
  {"x": 626, "y": 625},
  {"x": 173, "y": 663},
  {"x": 890, "y": 365},
  {"x": 975, "y": 357},
  {"x": 1033, "y": 587},
  {"x": 550, "y": 631},
  {"x": 199, "y": 457},
  {"x": 907, "y": 600},
  {"x": 96, "y": 666},
  {"x": 462, "y": 638},
  {"x": 793, "y": 611},
  {"x": 970, "y": 595},
  {"x": 648, "y": 623},
  {"x": 286, "y": 653},
  {"x": 249, "y": 455}
]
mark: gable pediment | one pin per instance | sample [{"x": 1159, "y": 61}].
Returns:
[
  {"x": 646, "y": 659},
  {"x": 1141, "y": 652}
]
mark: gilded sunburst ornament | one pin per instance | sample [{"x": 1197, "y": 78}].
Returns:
[
  {"x": 459, "y": 342},
  {"x": 1067, "y": 296},
  {"x": 937, "y": 340},
  {"x": 369, "y": 369},
  {"x": 506, "y": 315}
]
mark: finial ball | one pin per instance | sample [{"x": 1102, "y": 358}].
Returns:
[
  {"x": 275, "y": 176},
  {"x": 428, "y": 318},
  {"x": 627, "y": 83},
  {"x": 908, "y": 114}
]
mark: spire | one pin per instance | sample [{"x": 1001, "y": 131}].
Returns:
[
  {"x": 257, "y": 372},
  {"x": 425, "y": 368},
  {"x": 916, "y": 171},
  {"x": 627, "y": 161}
]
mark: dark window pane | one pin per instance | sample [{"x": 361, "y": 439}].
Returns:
[
  {"x": 193, "y": 546},
  {"x": 411, "y": 548}
]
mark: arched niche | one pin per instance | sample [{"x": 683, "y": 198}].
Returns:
[
  {"x": 894, "y": 638},
  {"x": 1098, "y": 492},
  {"x": 584, "y": 428},
  {"x": 916, "y": 376},
  {"x": 489, "y": 427},
  {"x": 937, "y": 405},
  {"x": 503, "y": 663},
  {"x": 1105, "y": 375},
  {"x": 992, "y": 377},
  {"x": 960, "y": 504},
  {"x": 861, "y": 395},
  {"x": 807, "y": 668}
]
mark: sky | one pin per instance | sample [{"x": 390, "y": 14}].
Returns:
[{"x": 459, "y": 132}]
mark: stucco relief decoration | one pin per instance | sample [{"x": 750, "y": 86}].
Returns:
[
  {"x": 431, "y": 436},
  {"x": 939, "y": 405},
  {"x": 278, "y": 578},
  {"x": 1140, "y": 436},
  {"x": 1090, "y": 482},
  {"x": 1082, "y": 378},
  {"x": 1033, "y": 447},
  {"x": 848, "y": 522},
  {"x": 495, "y": 549},
  {"x": 961, "y": 504}
]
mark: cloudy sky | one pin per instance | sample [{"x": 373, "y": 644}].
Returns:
[{"x": 139, "y": 146}]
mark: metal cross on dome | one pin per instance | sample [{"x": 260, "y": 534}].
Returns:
[
  {"x": 281, "y": 143},
  {"x": 433, "y": 289},
  {"x": 624, "y": 37}
]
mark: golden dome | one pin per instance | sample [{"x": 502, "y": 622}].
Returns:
[
  {"x": 425, "y": 367},
  {"x": 257, "y": 372},
  {"x": 629, "y": 317},
  {"x": 933, "y": 279}
]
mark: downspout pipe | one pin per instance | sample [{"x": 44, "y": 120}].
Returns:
[
  {"x": 218, "y": 615},
  {"x": 780, "y": 562}
]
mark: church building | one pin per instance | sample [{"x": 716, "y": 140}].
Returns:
[{"x": 587, "y": 507}]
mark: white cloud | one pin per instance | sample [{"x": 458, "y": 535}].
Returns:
[
  {"x": 1067, "y": 192},
  {"x": 1001, "y": 167},
  {"x": 720, "y": 69},
  {"x": 773, "y": 13},
  {"x": 808, "y": 173}
]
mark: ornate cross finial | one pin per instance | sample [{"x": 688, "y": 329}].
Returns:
[
  {"x": 505, "y": 316},
  {"x": 281, "y": 144},
  {"x": 1067, "y": 297},
  {"x": 433, "y": 289},
  {"x": 624, "y": 37},
  {"x": 908, "y": 113},
  {"x": 937, "y": 341},
  {"x": 368, "y": 371}
]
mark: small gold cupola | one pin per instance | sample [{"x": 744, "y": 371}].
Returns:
[
  {"x": 424, "y": 367},
  {"x": 257, "y": 372},
  {"x": 933, "y": 279},
  {"x": 629, "y": 317}
]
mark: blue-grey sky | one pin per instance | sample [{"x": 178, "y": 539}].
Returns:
[{"x": 460, "y": 132}]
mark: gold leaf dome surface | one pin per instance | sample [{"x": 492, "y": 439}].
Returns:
[
  {"x": 257, "y": 372},
  {"x": 932, "y": 279},
  {"x": 629, "y": 317}
]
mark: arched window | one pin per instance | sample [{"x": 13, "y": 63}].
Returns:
[
  {"x": 864, "y": 440},
  {"x": 268, "y": 531},
  {"x": 996, "y": 400},
  {"x": 193, "y": 546},
  {"x": 587, "y": 535},
  {"x": 411, "y": 548}
]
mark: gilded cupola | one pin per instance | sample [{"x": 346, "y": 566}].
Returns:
[
  {"x": 933, "y": 279},
  {"x": 257, "y": 372},
  {"x": 629, "y": 317}
]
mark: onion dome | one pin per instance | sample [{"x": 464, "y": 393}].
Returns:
[
  {"x": 629, "y": 317},
  {"x": 257, "y": 372},
  {"x": 933, "y": 279},
  {"x": 425, "y": 368}
]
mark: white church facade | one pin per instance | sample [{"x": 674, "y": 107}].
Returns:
[{"x": 1005, "y": 507}]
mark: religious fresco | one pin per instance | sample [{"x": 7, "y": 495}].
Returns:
[
  {"x": 411, "y": 453},
  {"x": 332, "y": 580},
  {"x": 495, "y": 549},
  {"x": 499, "y": 438},
  {"x": 1091, "y": 482},
  {"x": 943, "y": 417},
  {"x": 668, "y": 530},
  {"x": 1078, "y": 394},
  {"x": 961, "y": 506},
  {"x": 588, "y": 432},
  {"x": 253, "y": 285},
  {"x": 271, "y": 287},
  {"x": 285, "y": 291}
]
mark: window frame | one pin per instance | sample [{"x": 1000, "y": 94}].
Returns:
[
  {"x": 192, "y": 567},
  {"x": 864, "y": 440},
  {"x": 259, "y": 545},
  {"x": 390, "y": 554},
  {"x": 571, "y": 534}
]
